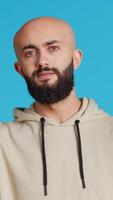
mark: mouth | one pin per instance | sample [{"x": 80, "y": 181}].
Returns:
[{"x": 45, "y": 75}]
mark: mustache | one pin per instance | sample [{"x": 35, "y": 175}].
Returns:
[{"x": 46, "y": 69}]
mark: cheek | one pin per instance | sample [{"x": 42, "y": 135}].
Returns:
[
  {"x": 62, "y": 62},
  {"x": 26, "y": 69},
  {"x": 67, "y": 57}
]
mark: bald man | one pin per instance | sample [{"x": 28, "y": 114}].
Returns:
[{"x": 61, "y": 147}]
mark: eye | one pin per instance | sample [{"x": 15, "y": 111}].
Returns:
[
  {"x": 53, "y": 48},
  {"x": 30, "y": 53}
]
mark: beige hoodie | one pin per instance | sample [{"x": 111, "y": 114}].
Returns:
[{"x": 41, "y": 159}]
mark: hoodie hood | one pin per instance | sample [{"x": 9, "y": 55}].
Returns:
[{"x": 89, "y": 111}]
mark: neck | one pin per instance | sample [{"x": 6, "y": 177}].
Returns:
[{"x": 61, "y": 110}]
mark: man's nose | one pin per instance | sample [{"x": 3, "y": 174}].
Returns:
[{"x": 43, "y": 60}]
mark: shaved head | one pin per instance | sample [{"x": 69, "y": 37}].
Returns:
[{"x": 47, "y": 26}]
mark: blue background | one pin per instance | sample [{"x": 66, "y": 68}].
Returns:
[{"x": 93, "y": 23}]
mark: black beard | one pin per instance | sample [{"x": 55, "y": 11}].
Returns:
[{"x": 49, "y": 94}]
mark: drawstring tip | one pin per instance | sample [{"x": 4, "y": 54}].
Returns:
[
  {"x": 45, "y": 190},
  {"x": 83, "y": 184}
]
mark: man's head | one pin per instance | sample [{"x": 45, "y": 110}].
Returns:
[{"x": 46, "y": 54}]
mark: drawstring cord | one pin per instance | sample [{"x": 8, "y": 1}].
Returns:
[
  {"x": 42, "y": 120},
  {"x": 79, "y": 146}
]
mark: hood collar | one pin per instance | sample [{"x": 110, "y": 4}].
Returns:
[{"x": 89, "y": 110}]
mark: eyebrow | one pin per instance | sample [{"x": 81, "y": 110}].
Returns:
[
  {"x": 51, "y": 42},
  {"x": 29, "y": 46},
  {"x": 32, "y": 46}
]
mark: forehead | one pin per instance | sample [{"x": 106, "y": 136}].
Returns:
[{"x": 39, "y": 33}]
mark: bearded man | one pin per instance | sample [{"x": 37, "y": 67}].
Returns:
[{"x": 61, "y": 147}]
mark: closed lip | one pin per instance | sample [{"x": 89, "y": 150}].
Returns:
[{"x": 43, "y": 75}]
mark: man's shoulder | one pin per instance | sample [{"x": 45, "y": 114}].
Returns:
[
  {"x": 110, "y": 118},
  {"x": 10, "y": 131},
  {"x": 17, "y": 127},
  {"x": 7, "y": 127}
]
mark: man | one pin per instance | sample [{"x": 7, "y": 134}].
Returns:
[{"x": 61, "y": 148}]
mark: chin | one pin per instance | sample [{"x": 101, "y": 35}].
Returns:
[{"x": 48, "y": 82}]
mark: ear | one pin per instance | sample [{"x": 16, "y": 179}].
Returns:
[
  {"x": 77, "y": 57},
  {"x": 18, "y": 68}
]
